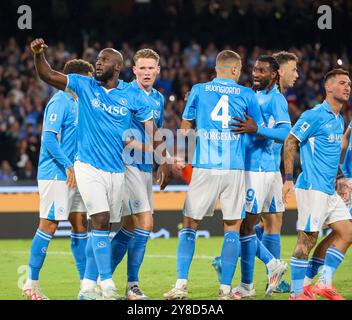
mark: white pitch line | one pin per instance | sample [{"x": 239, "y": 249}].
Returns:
[{"x": 152, "y": 256}]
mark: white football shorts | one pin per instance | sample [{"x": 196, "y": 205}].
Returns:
[
  {"x": 209, "y": 185},
  {"x": 58, "y": 200},
  {"x": 138, "y": 191},
  {"x": 264, "y": 192},
  {"x": 317, "y": 210},
  {"x": 101, "y": 191}
]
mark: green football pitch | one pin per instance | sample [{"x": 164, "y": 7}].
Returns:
[{"x": 59, "y": 278}]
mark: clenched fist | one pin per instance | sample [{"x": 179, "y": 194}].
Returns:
[{"x": 38, "y": 46}]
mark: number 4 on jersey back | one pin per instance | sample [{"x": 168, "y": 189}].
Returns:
[{"x": 225, "y": 118}]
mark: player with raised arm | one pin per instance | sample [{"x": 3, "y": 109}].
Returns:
[
  {"x": 138, "y": 203},
  {"x": 319, "y": 132},
  {"x": 105, "y": 113},
  {"x": 218, "y": 171},
  {"x": 59, "y": 196}
]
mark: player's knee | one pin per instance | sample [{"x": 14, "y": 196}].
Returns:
[
  {"x": 79, "y": 222},
  {"x": 128, "y": 223},
  {"x": 100, "y": 221},
  {"x": 247, "y": 228},
  {"x": 48, "y": 226}
]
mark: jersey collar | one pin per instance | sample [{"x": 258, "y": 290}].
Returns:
[
  {"x": 135, "y": 85},
  {"x": 224, "y": 81},
  {"x": 327, "y": 107}
]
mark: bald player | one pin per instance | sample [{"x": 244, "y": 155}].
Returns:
[{"x": 105, "y": 114}]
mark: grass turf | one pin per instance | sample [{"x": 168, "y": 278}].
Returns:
[{"x": 59, "y": 278}]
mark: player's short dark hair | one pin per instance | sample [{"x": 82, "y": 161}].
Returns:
[
  {"x": 284, "y": 57},
  {"x": 226, "y": 56},
  {"x": 274, "y": 65},
  {"x": 79, "y": 66},
  {"x": 146, "y": 53},
  {"x": 333, "y": 73}
]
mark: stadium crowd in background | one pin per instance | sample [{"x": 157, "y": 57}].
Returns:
[{"x": 23, "y": 98}]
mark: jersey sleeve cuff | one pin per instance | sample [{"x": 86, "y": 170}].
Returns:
[
  {"x": 145, "y": 120},
  {"x": 295, "y": 136}
]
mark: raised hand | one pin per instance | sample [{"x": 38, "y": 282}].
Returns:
[{"x": 38, "y": 46}]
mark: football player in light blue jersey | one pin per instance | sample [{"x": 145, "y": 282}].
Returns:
[
  {"x": 319, "y": 133},
  {"x": 263, "y": 177},
  {"x": 218, "y": 168},
  {"x": 105, "y": 114},
  {"x": 59, "y": 198},
  {"x": 138, "y": 203},
  {"x": 343, "y": 189}
]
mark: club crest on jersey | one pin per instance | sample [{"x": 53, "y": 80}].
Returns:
[
  {"x": 95, "y": 103},
  {"x": 305, "y": 126}
]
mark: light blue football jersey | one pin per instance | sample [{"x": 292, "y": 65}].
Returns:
[
  {"x": 105, "y": 117},
  {"x": 212, "y": 105},
  {"x": 320, "y": 132},
  {"x": 347, "y": 164},
  {"x": 60, "y": 116},
  {"x": 155, "y": 101},
  {"x": 265, "y": 154}
]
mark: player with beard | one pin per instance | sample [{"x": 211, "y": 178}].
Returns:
[
  {"x": 105, "y": 115},
  {"x": 319, "y": 133}
]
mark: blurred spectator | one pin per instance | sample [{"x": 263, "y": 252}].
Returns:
[
  {"x": 27, "y": 172},
  {"x": 6, "y": 172}
]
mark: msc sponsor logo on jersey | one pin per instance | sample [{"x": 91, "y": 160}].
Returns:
[
  {"x": 305, "y": 126},
  {"x": 335, "y": 138},
  {"x": 222, "y": 89},
  {"x": 96, "y": 103}
]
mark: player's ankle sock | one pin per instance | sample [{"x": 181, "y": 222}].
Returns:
[
  {"x": 247, "y": 286},
  {"x": 136, "y": 251},
  {"x": 91, "y": 270},
  {"x": 181, "y": 283},
  {"x": 31, "y": 283},
  {"x": 263, "y": 253},
  {"x": 333, "y": 259},
  {"x": 185, "y": 251},
  {"x": 88, "y": 284},
  {"x": 119, "y": 246},
  {"x": 272, "y": 242},
  {"x": 132, "y": 284},
  {"x": 104, "y": 284},
  {"x": 102, "y": 253},
  {"x": 78, "y": 248},
  {"x": 225, "y": 288},
  {"x": 298, "y": 272},
  {"x": 229, "y": 256},
  {"x": 314, "y": 264},
  {"x": 248, "y": 251},
  {"x": 39, "y": 247},
  {"x": 259, "y": 230}
]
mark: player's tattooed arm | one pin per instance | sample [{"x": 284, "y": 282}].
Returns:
[
  {"x": 305, "y": 243},
  {"x": 48, "y": 75},
  {"x": 290, "y": 148}
]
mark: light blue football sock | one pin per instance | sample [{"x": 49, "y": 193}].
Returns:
[
  {"x": 272, "y": 243},
  {"x": 78, "y": 248},
  {"x": 333, "y": 259},
  {"x": 259, "y": 230},
  {"x": 119, "y": 246},
  {"x": 136, "y": 251},
  {"x": 102, "y": 253},
  {"x": 298, "y": 272},
  {"x": 314, "y": 265},
  {"x": 91, "y": 272},
  {"x": 263, "y": 253},
  {"x": 229, "y": 256},
  {"x": 38, "y": 250},
  {"x": 248, "y": 251},
  {"x": 185, "y": 251}
]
